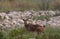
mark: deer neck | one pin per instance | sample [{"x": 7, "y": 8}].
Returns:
[{"x": 25, "y": 23}]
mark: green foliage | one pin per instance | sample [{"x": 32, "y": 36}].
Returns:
[
  {"x": 42, "y": 17},
  {"x": 16, "y": 5},
  {"x": 16, "y": 33},
  {"x": 2, "y": 35},
  {"x": 50, "y": 33},
  {"x": 21, "y": 33}
]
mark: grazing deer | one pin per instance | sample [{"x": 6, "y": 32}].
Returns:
[{"x": 33, "y": 27}]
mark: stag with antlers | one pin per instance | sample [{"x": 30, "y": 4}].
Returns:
[{"x": 33, "y": 27}]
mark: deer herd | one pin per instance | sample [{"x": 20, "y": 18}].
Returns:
[{"x": 33, "y": 27}]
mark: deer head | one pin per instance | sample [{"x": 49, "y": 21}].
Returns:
[{"x": 25, "y": 20}]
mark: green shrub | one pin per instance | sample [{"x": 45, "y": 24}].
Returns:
[
  {"x": 16, "y": 33},
  {"x": 50, "y": 33},
  {"x": 21, "y": 33},
  {"x": 2, "y": 35},
  {"x": 42, "y": 17}
]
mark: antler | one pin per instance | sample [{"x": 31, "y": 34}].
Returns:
[{"x": 25, "y": 18}]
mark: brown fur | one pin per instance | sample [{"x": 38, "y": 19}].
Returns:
[{"x": 32, "y": 27}]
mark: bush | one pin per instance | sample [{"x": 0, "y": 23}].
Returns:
[
  {"x": 21, "y": 33},
  {"x": 42, "y": 17},
  {"x": 50, "y": 33},
  {"x": 16, "y": 33},
  {"x": 2, "y": 35}
]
